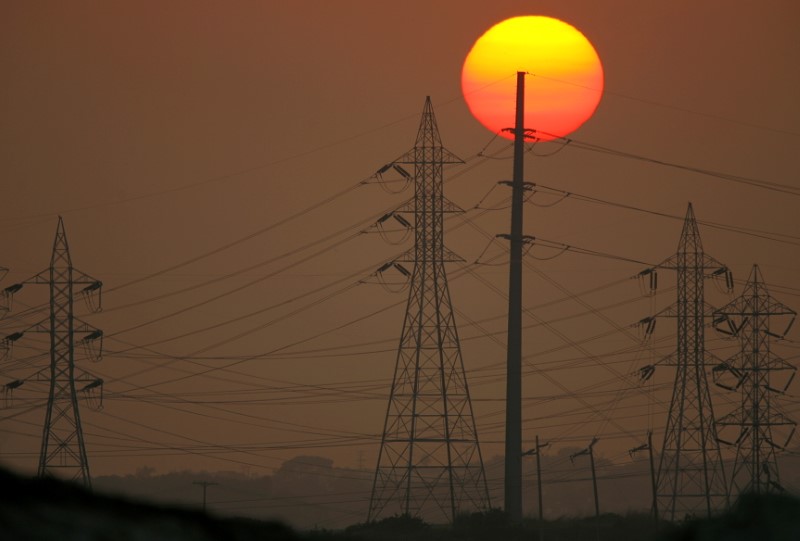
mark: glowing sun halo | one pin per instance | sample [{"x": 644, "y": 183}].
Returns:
[{"x": 564, "y": 82}]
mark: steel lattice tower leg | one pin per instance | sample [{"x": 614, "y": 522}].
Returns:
[
  {"x": 755, "y": 317},
  {"x": 691, "y": 478},
  {"x": 429, "y": 465},
  {"x": 63, "y": 449}
]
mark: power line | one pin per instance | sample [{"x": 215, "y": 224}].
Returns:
[
  {"x": 787, "y": 189},
  {"x": 660, "y": 105}
]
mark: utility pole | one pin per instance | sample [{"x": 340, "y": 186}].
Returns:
[
  {"x": 513, "y": 443},
  {"x": 653, "y": 486},
  {"x": 590, "y": 451},
  {"x": 63, "y": 448},
  {"x": 205, "y": 485},
  {"x": 756, "y": 318},
  {"x": 429, "y": 464},
  {"x": 691, "y": 478},
  {"x": 537, "y": 451}
]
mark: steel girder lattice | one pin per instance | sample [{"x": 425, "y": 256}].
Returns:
[
  {"x": 429, "y": 465},
  {"x": 761, "y": 376},
  {"x": 63, "y": 450},
  {"x": 691, "y": 478}
]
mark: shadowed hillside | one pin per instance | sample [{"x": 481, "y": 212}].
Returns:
[{"x": 45, "y": 509}]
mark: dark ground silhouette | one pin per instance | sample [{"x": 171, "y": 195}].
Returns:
[{"x": 44, "y": 509}]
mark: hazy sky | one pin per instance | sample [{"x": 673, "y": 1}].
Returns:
[{"x": 164, "y": 131}]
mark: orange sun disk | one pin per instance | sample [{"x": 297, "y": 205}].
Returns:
[{"x": 564, "y": 82}]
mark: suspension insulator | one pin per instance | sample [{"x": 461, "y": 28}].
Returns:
[
  {"x": 729, "y": 280},
  {"x": 402, "y": 171},
  {"x": 10, "y": 290},
  {"x": 646, "y": 372},
  {"x": 724, "y": 325},
  {"x": 14, "y": 384},
  {"x": 93, "y": 385},
  {"x": 13, "y": 337},
  {"x": 94, "y": 335},
  {"x": 649, "y": 325},
  {"x": 402, "y": 221}
]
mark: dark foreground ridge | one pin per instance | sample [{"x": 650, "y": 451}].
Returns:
[
  {"x": 772, "y": 517},
  {"x": 47, "y": 509}
]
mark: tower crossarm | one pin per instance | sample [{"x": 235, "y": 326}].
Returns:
[
  {"x": 78, "y": 277},
  {"x": 41, "y": 326},
  {"x": 710, "y": 265},
  {"x": 416, "y": 155},
  {"x": 413, "y": 157},
  {"x": 777, "y": 318},
  {"x": 447, "y": 256},
  {"x": 407, "y": 207},
  {"x": 79, "y": 327},
  {"x": 672, "y": 311},
  {"x": 448, "y": 207},
  {"x": 672, "y": 360}
]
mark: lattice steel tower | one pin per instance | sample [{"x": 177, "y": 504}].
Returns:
[
  {"x": 755, "y": 318},
  {"x": 429, "y": 463},
  {"x": 691, "y": 479},
  {"x": 63, "y": 450}
]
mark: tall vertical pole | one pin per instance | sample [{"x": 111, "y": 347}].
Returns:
[
  {"x": 590, "y": 451},
  {"x": 539, "y": 477},
  {"x": 653, "y": 482},
  {"x": 205, "y": 485},
  {"x": 539, "y": 486},
  {"x": 594, "y": 483},
  {"x": 594, "y": 488},
  {"x": 513, "y": 450}
]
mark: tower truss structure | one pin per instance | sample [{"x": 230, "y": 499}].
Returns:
[
  {"x": 691, "y": 477},
  {"x": 429, "y": 464},
  {"x": 761, "y": 376},
  {"x": 63, "y": 450}
]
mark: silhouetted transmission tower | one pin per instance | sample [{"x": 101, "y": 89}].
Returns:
[
  {"x": 63, "y": 449},
  {"x": 691, "y": 478},
  {"x": 755, "y": 318},
  {"x": 429, "y": 463}
]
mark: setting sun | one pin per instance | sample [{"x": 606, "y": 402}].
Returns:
[{"x": 564, "y": 82}]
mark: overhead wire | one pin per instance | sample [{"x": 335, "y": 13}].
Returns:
[
  {"x": 134, "y": 282},
  {"x": 654, "y": 103},
  {"x": 777, "y": 187},
  {"x": 757, "y": 233}
]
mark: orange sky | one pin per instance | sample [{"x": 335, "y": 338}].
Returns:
[{"x": 183, "y": 134}]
